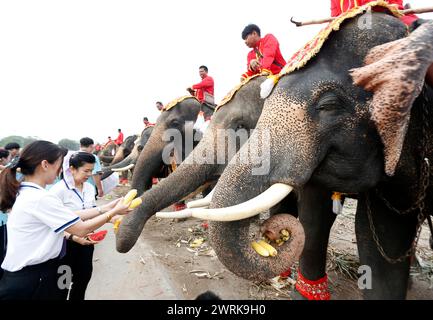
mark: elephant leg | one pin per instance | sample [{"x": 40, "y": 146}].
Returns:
[
  {"x": 396, "y": 234},
  {"x": 317, "y": 218}
]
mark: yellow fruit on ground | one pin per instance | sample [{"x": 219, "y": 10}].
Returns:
[
  {"x": 135, "y": 203},
  {"x": 129, "y": 196},
  {"x": 260, "y": 249},
  {"x": 272, "y": 251}
]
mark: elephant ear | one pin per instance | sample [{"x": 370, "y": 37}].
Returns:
[{"x": 395, "y": 73}]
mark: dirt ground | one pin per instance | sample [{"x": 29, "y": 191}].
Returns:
[{"x": 173, "y": 260}]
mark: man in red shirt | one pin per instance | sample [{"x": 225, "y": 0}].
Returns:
[
  {"x": 204, "y": 90},
  {"x": 265, "y": 56},
  {"x": 119, "y": 139},
  {"x": 339, "y": 6}
]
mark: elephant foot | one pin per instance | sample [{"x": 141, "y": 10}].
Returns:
[{"x": 313, "y": 289}]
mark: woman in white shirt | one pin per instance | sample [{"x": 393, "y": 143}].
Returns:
[
  {"x": 37, "y": 221},
  {"x": 77, "y": 194}
]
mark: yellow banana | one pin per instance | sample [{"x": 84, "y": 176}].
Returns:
[
  {"x": 135, "y": 203},
  {"x": 259, "y": 249},
  {"x": 116, "y": 225},
  {"x": 285, "y": 233},
  {"x": 129, "y": 196},
  {"x": 272, "y": 251}
]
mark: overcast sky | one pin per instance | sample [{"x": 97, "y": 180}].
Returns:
[{"x": 78, "y": 68}]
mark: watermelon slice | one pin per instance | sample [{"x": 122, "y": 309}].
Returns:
[{"x": 98, "y": 236}]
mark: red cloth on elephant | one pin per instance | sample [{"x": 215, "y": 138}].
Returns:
[
  {"x": 268, "y": 53},
  {"x": 206, "y": 85},
  {"x": 313, "y": 289},
  {"x": 339, "y": 6}
]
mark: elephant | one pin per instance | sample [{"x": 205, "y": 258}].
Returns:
[
  {"x": 152, "y": 162},
  {"x": 239, "y": 111},
  {"x": 107, "y": 153},
  {"x": 122, "y": 151},
  {"x": 129, "y": 160},
  {"x": 329, "y": 135}
]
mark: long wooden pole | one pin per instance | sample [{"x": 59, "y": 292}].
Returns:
[{"x": 320, "y": 21}]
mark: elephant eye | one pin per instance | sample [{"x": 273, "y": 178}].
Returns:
[{"x": 329, "y": 102}]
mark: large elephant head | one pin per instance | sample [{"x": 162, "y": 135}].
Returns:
[
  {"x": 176, "y": 117},
  {"x": 321, "y": 132},
  {"x": 238, "y": 114},
  {"x": 131, "y": 159}
]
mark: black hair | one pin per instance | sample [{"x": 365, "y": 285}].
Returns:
[
  {"x": 145, "y": 119},
  {"x": 12, "y": 145},
  {"x": 250, "y": 29},
  {"x": 208, "y": 295},
  {"x": 86, "y": 141},
  {"x": 159, "y": 102},
  {"x": 79, "y": 159},
  {"x": 4, "y": 153},
  {"x": 31, "y": 157},
  {"x": 119, "y": 130},
  {"x": 203, "y": 67}
]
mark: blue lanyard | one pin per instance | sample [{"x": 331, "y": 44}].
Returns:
[{"x": 75, "y": 191}]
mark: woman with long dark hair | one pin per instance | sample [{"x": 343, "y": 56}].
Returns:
[{"x": 36, "y": 223}]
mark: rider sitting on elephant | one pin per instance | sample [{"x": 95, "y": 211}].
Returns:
[
  {"x": 340, "y": 6},
  {"x": 204, "y": 90},
  {"x": 265, "y": 56}
]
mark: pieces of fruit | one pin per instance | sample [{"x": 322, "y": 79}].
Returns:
[
  {"x": 272, "y": 251},
  {"x": 116, "y": 225},
  {"x": 135, "y": 203},
  {"x": 130, "y": 196},
  {"x": 98, "y": 236}
]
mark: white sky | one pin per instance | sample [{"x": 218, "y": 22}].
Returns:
[{"x": 78, "y": 68}]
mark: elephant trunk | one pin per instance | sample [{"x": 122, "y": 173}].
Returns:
[
  {"x": 131, "y": 159},
  {"x": 186, "y": 179},
  {"x": 149, "y": 163},
  {"x": 119, "y": 156},
  {"x": 232, "y": 240}
]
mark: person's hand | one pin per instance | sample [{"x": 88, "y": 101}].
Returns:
[
  {"x": 100, "y": 192},
  {"x": 84, "y": 241},
  {"x": 254, "y": 65},
  {"x": 190, "y": 90},
  {"x": 115, "y": 218},
  {"x": 121, "y": 208}
]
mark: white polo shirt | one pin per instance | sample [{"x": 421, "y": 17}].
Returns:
[
  {"x": 35, "y": 227},
  {"x": 73, "y": 198}
]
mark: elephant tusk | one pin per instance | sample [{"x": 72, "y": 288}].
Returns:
[
  {"x": 248, "y": 209},
  {"x": 129, "y": 166},
  {"x": 185, "y": 213},
  {"x": 201, "y": 202}
]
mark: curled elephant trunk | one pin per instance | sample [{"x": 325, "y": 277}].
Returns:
[{"x": 232, "y": 243}]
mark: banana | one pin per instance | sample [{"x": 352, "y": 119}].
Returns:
[
  {"x": 135, "y": 203},
  {"x": 272, "y": 251},
  {"x": 259, "y": 249},
  {"x": 285, "y": 233},
  {"x": 129, "y": 196},
  {"x": 116, "y": 225}
]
